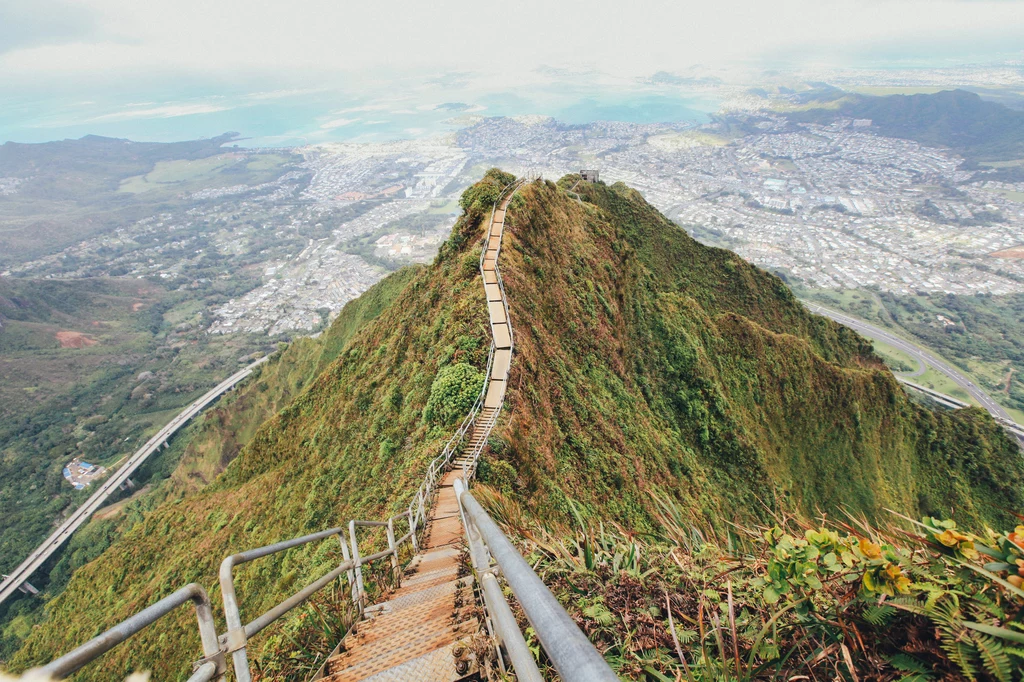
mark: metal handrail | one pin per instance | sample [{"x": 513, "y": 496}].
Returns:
[
  {"x": 235, "y": 639},
  {"x": 206, "y": 670},
  {"x": 569, "y": 650}
]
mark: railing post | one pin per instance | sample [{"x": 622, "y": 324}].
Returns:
[
  {"x": 234, "y": 639},
  {"x": 412, "y": 530},
  {"x": 395, "y": 570},
  {"x": 358, "y": 566},
  {"x": 346, "y": 557}
]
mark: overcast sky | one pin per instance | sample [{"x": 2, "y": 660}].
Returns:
[{"x": 49, "y": 42}]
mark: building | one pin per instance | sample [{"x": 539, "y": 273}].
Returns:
[{"x": 590, "y": 175}]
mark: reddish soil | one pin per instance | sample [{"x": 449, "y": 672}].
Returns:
[
  {"x": 1015, "y": 252},
  {"x": 75, "y": 340}
]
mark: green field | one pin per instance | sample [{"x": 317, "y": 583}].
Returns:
[
  {"x": 898, "y": 360},
  {"x": 222, "y": 170},
  {"x": 1013, "y": 163},
  {"x": 884, "y": 91},
  {"x": 445, "y": 209},
  {"x": 938, "y": 381},
  {"x": 1009, "y": 194}
]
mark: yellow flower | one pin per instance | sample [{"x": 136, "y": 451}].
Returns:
[
  {"x": 870, "y": 549},
  {"x": 950, "y": 538},
  {"x": 1017, "y": 536}
]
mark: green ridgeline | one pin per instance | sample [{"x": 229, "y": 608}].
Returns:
[{"x": 644, "y": 361}]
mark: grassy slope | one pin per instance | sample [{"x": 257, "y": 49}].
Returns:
[
  {"x": 643, "y": 359},
  {"x": 56, "y": 403},
  {"x": 202, "y": 451},
  {"x": 229, "y": 425}
]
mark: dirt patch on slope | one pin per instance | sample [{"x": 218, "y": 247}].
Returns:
[
  {"x": 75, "y": 340},
  {"x": 1015, "y": 252}
]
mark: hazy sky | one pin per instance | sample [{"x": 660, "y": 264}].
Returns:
[{"x": 50, "y": 43}]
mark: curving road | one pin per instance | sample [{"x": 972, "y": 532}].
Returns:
[
  {"x": 922, "y": 356},
  {"x": 96, "y": 500}
]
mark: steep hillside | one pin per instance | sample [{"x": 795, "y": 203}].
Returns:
[
  {"x": 232, "y": 422},
  {"x": 647, "y": 360},
  {"x": 194, "y": 458},
  {"x": 643, "y": 360}
]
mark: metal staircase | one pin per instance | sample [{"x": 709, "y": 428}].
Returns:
[{"x": 426, "y": 629}]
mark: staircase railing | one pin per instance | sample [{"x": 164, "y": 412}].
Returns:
[
  {"x": 209, "y": 667},
  {"x": 469, "y": 466},
  {"x": 573, "y": 656},
  {"x": 568, "y": 649}
]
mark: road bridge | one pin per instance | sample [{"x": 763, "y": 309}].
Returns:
[{"x": 57, "y": 539}]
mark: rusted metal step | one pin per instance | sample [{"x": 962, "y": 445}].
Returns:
[{"x": 415, "y": 641}]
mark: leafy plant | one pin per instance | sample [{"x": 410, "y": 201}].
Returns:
[{"x": 453, "y": 392}]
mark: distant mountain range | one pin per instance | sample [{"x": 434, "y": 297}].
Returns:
[{"x": 978, "y": 129}]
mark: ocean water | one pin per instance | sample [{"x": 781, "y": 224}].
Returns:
[{"x": 288, "y": 116}]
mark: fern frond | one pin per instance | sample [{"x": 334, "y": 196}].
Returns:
[
  {"x": 879, "y": 616},
  {"x": 907, "y": 663},
  {"x": 961, "y": 653},
  {"x": 993, "y": 657}
]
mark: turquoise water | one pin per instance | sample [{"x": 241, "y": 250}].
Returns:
[{"x": 286, "y": 117}]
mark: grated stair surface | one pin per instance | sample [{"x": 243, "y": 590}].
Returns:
[{"x": 414, "y": 634}]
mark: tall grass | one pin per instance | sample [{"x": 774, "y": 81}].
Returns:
[{"x": 835, "y": 600}]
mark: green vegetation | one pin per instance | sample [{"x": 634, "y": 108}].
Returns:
[
  {"x": 189, "y": 175},
  {"x": 196, "y": 456},
  {"x": 91, "y": 368},
  {"x": 829, "y": 599},
  {"x": 896, "y": 359},
  {"x": 1010, "y": 194},
  {"x": 982, "y": 335},
  {"x": 644, "y": 361},
  {"x": 453, "y": 393}
]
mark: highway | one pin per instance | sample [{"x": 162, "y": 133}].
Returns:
[
  {"x": 919, "y": 354},
  {"x": 96, "y": 500},
  {"x": 925, "y": 360}
]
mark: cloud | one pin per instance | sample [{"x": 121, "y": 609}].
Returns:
[
  {"x": 44, "y": 22},
  {"x": 337, "y": 123},
  {"x": 296, "y": 45},
  {"x": 167, "y": 111}
]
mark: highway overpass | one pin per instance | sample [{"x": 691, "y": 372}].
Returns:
[{"x": 44, "y": 551}]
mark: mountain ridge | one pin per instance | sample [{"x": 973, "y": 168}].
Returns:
[{"x": 645, "y": 362}]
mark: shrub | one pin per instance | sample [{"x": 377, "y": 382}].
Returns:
[
  {"x": 501, "y": 475},
  {"x": 453, "y": 392}
]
